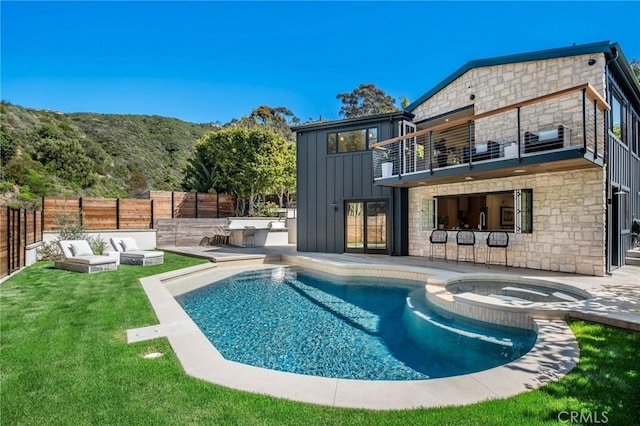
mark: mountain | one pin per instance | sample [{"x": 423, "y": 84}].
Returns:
[{"x": 44, "y": 152}]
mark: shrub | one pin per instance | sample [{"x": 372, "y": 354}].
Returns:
[
  {"x": 97, "y": 244},
  {"x": 49, "y": 250},
  {"x": 6, "y": 186},
  {"x": 69, "y": 228},
  {"x": 267, "y": 209}
]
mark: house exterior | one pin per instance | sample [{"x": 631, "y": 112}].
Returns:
[
  {"x": 543, "y": 146},
  {"x": 336, "y": 190}
]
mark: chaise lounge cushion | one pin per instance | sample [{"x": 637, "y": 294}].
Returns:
[
  {"x": 81, "y": 248},
  {"x": 91, "y": 260},
  {"x": 143, "y": 254},
  {"x": 85, "y": 255}
]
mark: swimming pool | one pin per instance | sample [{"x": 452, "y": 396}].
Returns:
[{"x": 297, "y": 321}]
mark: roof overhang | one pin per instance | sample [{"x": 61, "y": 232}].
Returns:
[{"x": 605, "y": 47}]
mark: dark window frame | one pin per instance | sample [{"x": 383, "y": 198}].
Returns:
[
  {"x": 367, "y": 139},
  {"x": 621, "y": 114},
  {"x": 526, "y": 214}
]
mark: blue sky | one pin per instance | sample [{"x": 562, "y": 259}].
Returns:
[{"x": 213, "y": 61}]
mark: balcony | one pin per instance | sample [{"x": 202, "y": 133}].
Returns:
[{"x": 558, "y": 131}]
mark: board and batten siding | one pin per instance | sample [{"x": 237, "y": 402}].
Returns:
[{"x": 324, "y": 179}]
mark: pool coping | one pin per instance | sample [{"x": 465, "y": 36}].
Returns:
[{"x": 554, "y": 354}]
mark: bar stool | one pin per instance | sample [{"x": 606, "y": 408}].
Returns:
[
  {"x": 438, "y": 236},
  {"x": 466, "y": 239},
  {"x": 497, "y": 239}
]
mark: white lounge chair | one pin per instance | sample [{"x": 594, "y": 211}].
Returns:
[
  {"x": 130, "y": 254},
  {"x": 79, "y": 257}
]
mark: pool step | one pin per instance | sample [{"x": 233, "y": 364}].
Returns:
[
  {"x": 419, "y": 315},
  {"x": 564, "y": 297},
  {"x": 537, "y": 295},
  {"x": 525, "y": 293}
]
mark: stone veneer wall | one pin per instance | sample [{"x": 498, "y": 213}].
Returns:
[
  {"x": 568, "y": 220},
  {"x": 502, "y": 85}
]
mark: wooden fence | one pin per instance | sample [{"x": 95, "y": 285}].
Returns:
[
  {"x": 18, "y": 229},
  {"x": 122, "y": 213}
]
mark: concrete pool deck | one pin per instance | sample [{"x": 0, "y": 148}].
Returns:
[{"x": 554, "y": 354}]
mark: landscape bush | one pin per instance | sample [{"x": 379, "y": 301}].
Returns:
[{"x": 69, "y": 227}]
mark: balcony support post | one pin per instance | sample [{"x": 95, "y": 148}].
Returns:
[
  {"x": 584, "y": 120},
  {"x": 595, "y": 129},
  {"x": 519, "y": 137},
  {"x": 470, "y": 148},
  {"x": 431, "y": 152}
]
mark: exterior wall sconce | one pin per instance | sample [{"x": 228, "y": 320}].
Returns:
[
  {"x": 591, "y": 61},
  {"x": 335, "y": 206},
  {"x": 472, "y": 97}
]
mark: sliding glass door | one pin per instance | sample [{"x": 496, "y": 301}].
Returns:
[{"x": 366, "y": 226}]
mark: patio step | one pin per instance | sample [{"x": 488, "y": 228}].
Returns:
[
  {"x": 632, "y": 260},
  {"x": 633, "y": 257}
]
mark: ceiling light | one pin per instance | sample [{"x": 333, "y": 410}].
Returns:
[
  {"x": 519, "y": 171},
  {"x": 468, "y": 178}
]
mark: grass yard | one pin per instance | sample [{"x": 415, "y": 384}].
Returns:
[{"x": 64, "y": 360}]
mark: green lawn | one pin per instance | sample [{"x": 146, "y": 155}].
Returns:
[{"x": 64, "y": 360}]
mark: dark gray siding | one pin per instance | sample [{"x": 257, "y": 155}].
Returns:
[
  {"x": 328, "y": 179},
  {"x": 623, "y": 173}
]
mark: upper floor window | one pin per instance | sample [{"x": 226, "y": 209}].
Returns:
[
  {"x": 618, "y": 118},
  {"x": 635, "y": 134},
  {"x": 353, "y": 140}
]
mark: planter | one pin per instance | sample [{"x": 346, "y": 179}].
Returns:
[{"x": 387, "y": 169}]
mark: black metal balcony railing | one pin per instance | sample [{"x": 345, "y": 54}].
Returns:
[{"x": 568, "y": 119}]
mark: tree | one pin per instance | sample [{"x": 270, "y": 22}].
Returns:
[
  {"x": 365, "y": 99},
  {"x": 246, "y": 161},
  {"x": 200, "y": 175},
  {"x": 67, "y": 159},
  {"x": 635, "y": 67},
  {"x": 286, "y": 182},
  {"x": 279, "y": 119}
]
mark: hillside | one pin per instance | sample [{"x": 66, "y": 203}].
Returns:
[{"x": 103, "y": 155}]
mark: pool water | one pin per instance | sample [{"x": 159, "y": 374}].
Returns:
[{"x": 299, "y": 322}]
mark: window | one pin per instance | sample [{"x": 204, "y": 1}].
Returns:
[
  {"x": 524, "y": 211},
  {"x": 618, "y": 118},
  {"x": 428, "y": 213},
  {"x": 351, "y": 141},
  {"x": 506, "y": 210},
  {"x": 635, "y": 134}
]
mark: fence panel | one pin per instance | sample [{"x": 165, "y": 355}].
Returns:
[
  {"x": 136, "y": 214},
  {"x": 53, "y": 205},
  {"x": 99, "y": 213},
  {"x": 161, "y": 204},
  {"x": 18, "y": 229},
  {"x": 184, "y": 204},
  {"x": 4, "y": 242},
  {"x": 112, "y": 213}
]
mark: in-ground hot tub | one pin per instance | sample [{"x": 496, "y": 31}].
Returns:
[
  {"x": 523, "y": 292},
  {"x": 506, "y": 300}
]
